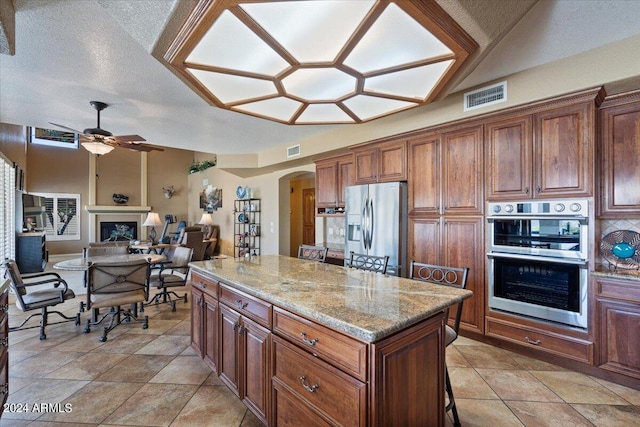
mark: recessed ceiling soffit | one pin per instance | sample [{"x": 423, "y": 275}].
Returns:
[{"x": 319, "y": 62}]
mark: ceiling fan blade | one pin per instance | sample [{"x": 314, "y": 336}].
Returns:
[
  {"x": 128, "y": 138},
  {"x": 135, "y": 146},
  {"x": 67, "y": 128}
]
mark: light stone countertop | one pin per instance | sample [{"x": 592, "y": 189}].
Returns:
[{"x": 365, "y": 305}]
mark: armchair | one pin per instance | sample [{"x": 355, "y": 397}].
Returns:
[
  {"x": 172, "y": 274},
  {"x": 116, "y": 285},
  {"x": 193, "y": 237},
  {"x": 38, "y": 291},
  {"x": 377, "y": 264}
]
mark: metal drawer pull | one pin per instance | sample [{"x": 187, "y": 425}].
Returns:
[
  {"x": 308, "y": 341},
  {"x": 203, "y": 285},
  {"x": 530, "y": 341},
  {"x": 4, "y": 308},
  {"x": 310, "y": 389},
  {"x": 4, "y": 342},
  {"x": 241, "y": 305}
]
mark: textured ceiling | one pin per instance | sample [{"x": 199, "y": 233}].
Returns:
[{"x": 69, "y": 52}]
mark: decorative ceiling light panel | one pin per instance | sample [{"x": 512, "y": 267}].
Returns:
[{"x": 321, "y": 61}]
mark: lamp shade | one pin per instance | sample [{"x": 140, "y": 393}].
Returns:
[
  {"x": 153, "y": 219},
  {"x": 97, "y": 147},
  {"x": 207, "y": 219}
]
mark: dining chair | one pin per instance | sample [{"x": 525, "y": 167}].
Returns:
[
  {"x": 38, "y": 291},
  {"x": 173, "y": 273},
  {"x": 315, "y": 253},
  {"x": 114, "y": 285},
  {"x": 377, "y": 264},
  {"x": 445, "y": 276}
]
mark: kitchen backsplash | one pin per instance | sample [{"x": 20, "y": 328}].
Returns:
[
  {"x": 609, "y": 225},
  {"x": 334, "y": 230}
]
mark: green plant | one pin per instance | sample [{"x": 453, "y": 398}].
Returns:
[{"x": 200, "y": 166}]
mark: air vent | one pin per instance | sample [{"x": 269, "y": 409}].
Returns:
[
  {"x": 486, "y": 96},
  {"x": 293, "y": 151}
]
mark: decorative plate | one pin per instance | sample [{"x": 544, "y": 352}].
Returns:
[
  {"x": 241, "y": 192},
  {"x": 242, "y": 218},
  {"x": 622, "y": 248}
]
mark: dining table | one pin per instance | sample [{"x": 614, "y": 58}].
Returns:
[{"x": 83, "y": 263}]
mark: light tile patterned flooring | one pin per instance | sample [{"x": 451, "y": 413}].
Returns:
[{"x": 153, "y": 378}]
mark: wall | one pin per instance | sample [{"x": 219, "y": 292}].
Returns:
[{"x": 13, "y": 143}]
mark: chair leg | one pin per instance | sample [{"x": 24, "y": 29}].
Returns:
[
  {"x": 452, "y": 402},
  {"x": 44, "y": 321}
]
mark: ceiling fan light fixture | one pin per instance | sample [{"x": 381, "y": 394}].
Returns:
[{"x": 97, "y": 148}]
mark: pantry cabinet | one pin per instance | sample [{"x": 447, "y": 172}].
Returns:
[{"x": 620, "y": 156}]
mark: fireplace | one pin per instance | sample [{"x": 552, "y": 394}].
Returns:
[{"x": 118, "y": 230}]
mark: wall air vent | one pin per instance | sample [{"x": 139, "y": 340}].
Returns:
[
  {"x": 293, "y": 151},
  {"x": 488, "y": 95}
]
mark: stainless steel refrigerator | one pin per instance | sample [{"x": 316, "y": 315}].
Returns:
[{"x": 376, "y": 216}]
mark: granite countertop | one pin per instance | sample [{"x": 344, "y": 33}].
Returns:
[
  {"x": 365, "y": 305},
  {"x": 619, "y": 273}
]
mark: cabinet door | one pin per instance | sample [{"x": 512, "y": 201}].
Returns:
[
  {"x": 197, "y": 301},
  {"x": 229, "y": 367},
  {"x": 563, "y": 151},
  {"x": 424, "y": 240},
  {"x": 620, "y": 159},
  {"x": 424, "y": 172},
  {"x": 326, "y": 184},
  {"x": 462, "y": 171},
  {"x": 366, "y": 163},
  {"x": 346, "y": 177},
  {"x": 619, "y": 339},
  {"x": 508, "y": 145},
  {"x": 463, "y": 246},
  {"x": 392, "y": 161},
  {"x": 257, "y": 377},
  {"x": 211, "y": 335}
]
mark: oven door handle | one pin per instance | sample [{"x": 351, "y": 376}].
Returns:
[
  {"x": 581, "y": 219},
  {"x": 579, "y": 262}
]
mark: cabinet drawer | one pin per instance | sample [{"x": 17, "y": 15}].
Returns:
[
  {"x": 208, "y": 285},
  {"x": 290, "y": 411},
  {"x": 331, "y": 392},
  {"x": 341, "y": 351},
  {"x": 565, "y": 346},
  {"x": 247, "y": 305},
  {"x": 626, "y": 290}
]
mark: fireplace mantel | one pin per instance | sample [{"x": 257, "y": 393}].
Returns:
[{"x": 105, "y": 209}]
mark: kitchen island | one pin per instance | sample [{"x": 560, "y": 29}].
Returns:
[{"x": 309, "y": 343}]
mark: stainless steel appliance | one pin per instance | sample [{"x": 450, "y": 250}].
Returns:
[
  {"x": 377, "y": 223},
  {"x": 538, "y": 259}
]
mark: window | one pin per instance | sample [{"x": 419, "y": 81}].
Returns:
[
  {"x": 62, "y": 216},
  {"x": 53, "y": 138},
  {"x": 7, "y": 213}
]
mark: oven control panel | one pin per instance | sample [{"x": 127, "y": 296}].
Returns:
[{"x": 573, "y": 208}]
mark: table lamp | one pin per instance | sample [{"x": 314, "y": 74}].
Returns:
[
  {"x": 207, "y": 221},
  {"x": 153, "y": 220}
]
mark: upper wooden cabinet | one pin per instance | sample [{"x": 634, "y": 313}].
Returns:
[
  {"x": 424, "y": 175},
  {"x": 620, "y": 156},
  {"x": 332, "y": 176},
  {"x": 546, "y": 154},
  {"x": 381, "y": 162}
]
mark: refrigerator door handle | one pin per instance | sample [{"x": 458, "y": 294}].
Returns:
[
  {"x": 371, "y": 223},
  {"x": 364, "y": 221}
]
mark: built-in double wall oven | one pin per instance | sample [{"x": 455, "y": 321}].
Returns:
[{"x": 538, "y": 257}]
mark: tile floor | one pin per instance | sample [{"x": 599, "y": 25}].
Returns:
[{"x": 153, "y": 378}]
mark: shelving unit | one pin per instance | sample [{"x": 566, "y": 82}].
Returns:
[
  {"x": 246, "y": 228},
  {"x": 31, "y": 251}
]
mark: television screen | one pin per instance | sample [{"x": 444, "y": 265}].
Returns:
[{"x": 34, "y": 210}]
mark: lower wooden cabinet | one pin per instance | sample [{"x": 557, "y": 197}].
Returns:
[
  {"x": 618, "y": 318},
  {"x": 204, "y": 320},
  {"x": 244, "y": 360}
]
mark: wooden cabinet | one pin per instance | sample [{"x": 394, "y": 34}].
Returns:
[
  {"x": 457, "y": 242},
  {"x": 620, "y": 156},
  {"x": 204, "y": 319},
  {"x": 618, "y": 323},
  {"x": 446, "y": 173},
  {"x": 381, "y": 162},
  {"x": 332, "y": 176},
  {"x": 245, "y": 349},
  {"x": 31, "y": 252},
  {"x": 543, "y": 155},
  {"x": 462, "y": 172},
  {"x": 4, "y": 342}
]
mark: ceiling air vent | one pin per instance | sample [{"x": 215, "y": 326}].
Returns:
[
  {"x": 485, "y": 96},
  {"x": 293, "y": 151}
]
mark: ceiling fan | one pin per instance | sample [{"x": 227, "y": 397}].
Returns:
[{"x": 100, "y": 141}]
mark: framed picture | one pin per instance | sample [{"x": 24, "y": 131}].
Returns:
[
  {"x": 254, "y": 230},
  {"x": 53, "y": 138},
  {"x": 211, "y": 199}
]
